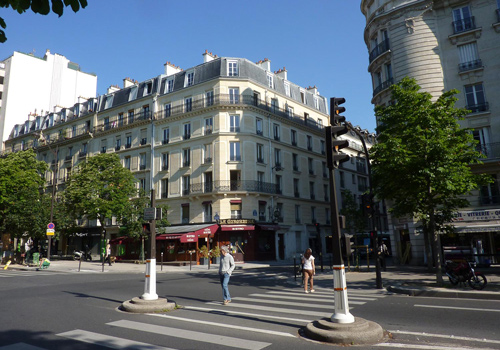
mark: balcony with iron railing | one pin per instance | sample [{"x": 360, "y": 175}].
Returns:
[
  {"x": 489, "y": 150},
  {"x": 471, "y": 65},
  {"x": 464, "y": 25},
  {"x": 241, "y": 100},
  {"x": 114, "y": 123},
  {"x": 379, "y": 50},
  {"x": 385, "y": 85},
  {"x": 480, "y": 107},
  {"x": 233, "y": 186}
]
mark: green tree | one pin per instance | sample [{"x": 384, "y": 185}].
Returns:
[
  {"x": 355, "y": 220},
  {"x": 42, "y": 7},
  {"x": 21, "y": 201},
  {"x": 422, "y": 160},
  {"x": 100, "y": 189}
]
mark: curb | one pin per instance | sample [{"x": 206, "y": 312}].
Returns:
[{"x": 414, "y": 292}]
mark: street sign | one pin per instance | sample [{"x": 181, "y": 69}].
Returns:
[
  {"x": 50, "y": 232},
  {"x": 51, "y": 226},
  {"x": 149, "y": 213}
]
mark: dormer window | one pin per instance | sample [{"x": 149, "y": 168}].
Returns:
[
  {"x": 148, "y": 88},
  {"x": 169, "y": 87},
  {"x": 189, "y": 79},
  {"x": 232, "y": 68},
  {"x": 270, "y": 81},
  {"x": 133, "y": 93},
  {"x": 109, "y": 101},
  {"x": 287, "y": 89}
]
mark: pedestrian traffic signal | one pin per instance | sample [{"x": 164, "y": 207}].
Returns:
[
  {"x": 145, "y": 229},
  {"x": 337, "y": 128}
]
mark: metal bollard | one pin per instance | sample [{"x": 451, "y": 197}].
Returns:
[
  {"x": 295, "y": 268},
  {"x": 161, "y": 269}
]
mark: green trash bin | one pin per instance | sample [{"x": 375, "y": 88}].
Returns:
[{"x": 36, "y": 258}]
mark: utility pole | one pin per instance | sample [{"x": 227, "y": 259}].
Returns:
[{"x": 150, "y": 282}]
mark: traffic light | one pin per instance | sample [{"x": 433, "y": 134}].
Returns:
[
  {"x": 367, "y": 204},
  {"x": 145, "y": 229},
  {"x": 337, "y": 128},
  {"x": 318, "y": 227}
]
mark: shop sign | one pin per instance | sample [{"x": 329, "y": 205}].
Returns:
[
  {"x": 188, "y": 237},
  {"x": 237, "y": 222},
  {"x": 477, "y": 215}
]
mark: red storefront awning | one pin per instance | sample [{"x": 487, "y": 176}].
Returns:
[
  {"x": 238, "y": 227},
  {"x": 168, "y": 236},
  {"x": 204, "y": 232},
  {"x": 187, "y": 233}
]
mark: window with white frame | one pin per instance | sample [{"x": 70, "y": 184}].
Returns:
[
  {"x": 142, "y": 184},
  {"x": 462, "y": 19},
  {"x": 142, "y": 161},
  {"x": 468, "y": 56},
  {"x": 276, "y": 132},
  {"x": 232, "y": 68},
  {"x": 185, "y": 213},
  {"x": 164, "y": 161},
  {"x": 322, "y": 146},
  {"x": 259, "y": 126},
  {"x": 167, "y": 110},
  {"x": 170, "y": 85},
  {"x": 235, "y": 209},
  {"x": 316, "y": 102},
  {"x": 186, "y": 157},
  {"x": 287, "y": 89},
  {"x": 388, "y": 72},
  {"x": 474, "y": 95},
  {"x": 209, "y": 98},
  {"x": 188, "y": 104},
  {"x": 260, "y": 153},
  {"x": 310, "y": 164},
  {"x": 295, "y": 161},
  {"x": 234, "y": 151},
  {"x": 482, "y": 136},
  {"x": 234, "y": 95},
  {"x": 278, "y": 180},
  {"x": 207, "y": 212},
  {"x": 187, "y": 131},
  {"x": 164, "y": 188},
  {"x": 270, "y": 80},
  {"x": 207, "y": 150},
  {"x": 309, "y": 142},
  {"x": 133, "y": 93},
  {"x": 289, "y": 111},
  {"x": 277, "y": 157},
  {"x": 293, "y": 136},
  {"x": 234, "y": 121},
  {"x": 148, "y": 88},
  {"x": 274, "y": 105},
  {"x": 302, "y": 96},
  {"x": 209, "y": 125},
  {"x": 109, "y": 101},
  {"x": 186, "y": 184},
  {"x": 260, "y": 179},
  {"x": 189, "y": 79}
]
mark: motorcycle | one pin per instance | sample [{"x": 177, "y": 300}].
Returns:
[
  {"x": 80, "y": 255},
  {"x": 462, "y": 272}
]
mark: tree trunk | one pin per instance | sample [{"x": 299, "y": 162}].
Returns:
[
  {"x": 436, "y": 250},
  {"x": 428, "y": 248}
]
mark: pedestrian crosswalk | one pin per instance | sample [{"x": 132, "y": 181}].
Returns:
[
  {"x": 254, "y": 321},
  {"x": 29, "y": 273}
]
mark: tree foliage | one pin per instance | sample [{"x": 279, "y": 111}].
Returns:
[
  {"x": 42, "y": 7},
  {"x": 99, "y": 189},
  {"x": 21, "y": 199},
  {"x": 355, "y": 220},
  {"x": 422, "y": 160}
]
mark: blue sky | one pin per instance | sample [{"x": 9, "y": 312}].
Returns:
[{"x": 320, "y": 42}]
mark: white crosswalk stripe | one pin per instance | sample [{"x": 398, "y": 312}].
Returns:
[{"x": 12, "y": 273}]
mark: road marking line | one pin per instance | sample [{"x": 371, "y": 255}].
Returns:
[
  {"x": 282, "y": 334},
  {"x": 191, "y": 335},
  {"x": 299, "y": 320},
  {"x": 108, "y": 341},
  {"x": 317, "y": 295},
  {"x": 456, "y": 308},
  {"x": 20, "y": 346},
  {"x": 314, "y": 306},
  {"x": 278, "y": 309},
  {"x": 424, "y": 347},
  {"x": 422, "y": 334}
]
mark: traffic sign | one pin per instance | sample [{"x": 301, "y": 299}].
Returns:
[
  {"x": 149, "y": 213},
  {"x": 50, "y": 232},
  {"x": 51, "y": 226}
]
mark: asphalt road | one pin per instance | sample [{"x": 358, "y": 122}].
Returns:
[{"x": 56, "y": 311}]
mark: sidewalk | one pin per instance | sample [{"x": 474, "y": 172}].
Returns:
[{"x": 409, "y": 280}]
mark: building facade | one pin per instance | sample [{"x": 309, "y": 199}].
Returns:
[
  {"x": 445, "y": 45},
  {"x": 236, "y": 150},
  {"x": 31, "y": 85}
]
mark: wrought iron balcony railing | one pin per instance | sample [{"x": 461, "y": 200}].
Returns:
[
  {"x": 386, "y": 84},
  {"x": 115, "y": 123},
  {"x": 233, "y": 185},
  {"x": 489, "y": 150},
  {"x": 379, "y": 49},
  {"x": 481, "y": 107},
  {"x": 463, "y": 67}
]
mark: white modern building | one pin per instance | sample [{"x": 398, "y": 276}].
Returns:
[
  {"x": 444, "y": 45},
  {"x": 31, "y": 85}
]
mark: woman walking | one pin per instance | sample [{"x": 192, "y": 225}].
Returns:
[
  {"x": 226, "y": 267},
  {"x": 308, "y": 269}
]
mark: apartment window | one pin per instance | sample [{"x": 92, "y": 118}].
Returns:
[
  {"x": 145, "y": 112},
  {"x": 133, "y": 93},
  {"x": 313, "y": 215},
  {"x": 118, "y": 144},
  {"x": 168, "y": 110},
  {"x": 361, "y": 165},
  {"x": 232, "y": 68},
  {"x": 469, "y": 57},
  {"x": 209, "y": 98},
  {"x": 262, "y": 210},
  {"x": 209, "y": 125},
  {"x": 142, "y": 164},
  {"x": 279, "y": 213},
  {"x": 274, "y": 105},
  {"x": 327, "y": 216},
  {"x": 316, "y": 102},
  {"x": 462, "y": 19},
  {"x": 326, "y": 193},
  {"x": 164, "y": 188},
  {"x": 142, "y": 184},
  {"x": 482, "y": 136},
  {"x": 309, "y": 143},
  {"x": 289, "y": 111},
  {"x": 164, "y": 161},
  {"x": 170, "y": 85},
  {"x": 120, "y": 119},
  {"x": 302, "y": 96},
  {"x": 208, "y": 182},
  {"x": 342, "y": 179},
  {"x": 106, "y": 123},
  {"x": 166, "y": 136},
  {"x": 188, "y": 104},
  {"x": 490, "y": 193},
  {"x": 295, "y": 161},
  {"x": 311, "y": 190},
  {"x": 109, "y": 101},
  {"x": 296, "y": 188},
  {"x": 148, "y": 88},
  {"x": 310, "y": 164},
  {"x": 234, "y": 95},
  {"x": 325, "y": 171},
  {"x": 322, "y": 147},
  {"x": 186, "y": 157},
  {"x": 277, "y": 157},
  {"x": 207, "y": 150},
  {"x": 259, "y": 126},
  {"x": 185, "y": 213},
  {"x": 234, "y": 121},
  {"x": 270, "y": 81},
  {"x": 207, "y": 212},
  {"x": 235, "y": 209},
  {"x": 260, "y": 153},
  {"x": 189, "y": 79},
  {"x": 279, "y": 184},
  {"x": 362, "y": 184},
  {"x": 293, "y": 136},
  {"x": 297, "y": 214},
  {"x": 128, "y": 141},
  {"x": 144, "y": 137},
  {"x": 353, "y": 179},
  {"x": 476, "y": 101},
  {"x": 187, "y": 131},
  {"x": 186, "y": 184},
  {"x": 276, "y": 132},
  {"x": 234, "y": 151},
  {"x": 287, "y": 89},
  {"x": 131, "y": 116},
  {"x": 103, "y": 146},
  {"x": 388, "y": 72},
  {"x": 260, "y": 180}
]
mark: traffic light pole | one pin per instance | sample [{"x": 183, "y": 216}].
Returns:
[{"x": 150, "y": 283}]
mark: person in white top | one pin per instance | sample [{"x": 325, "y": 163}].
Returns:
[{"x": 308, "y": 269}]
